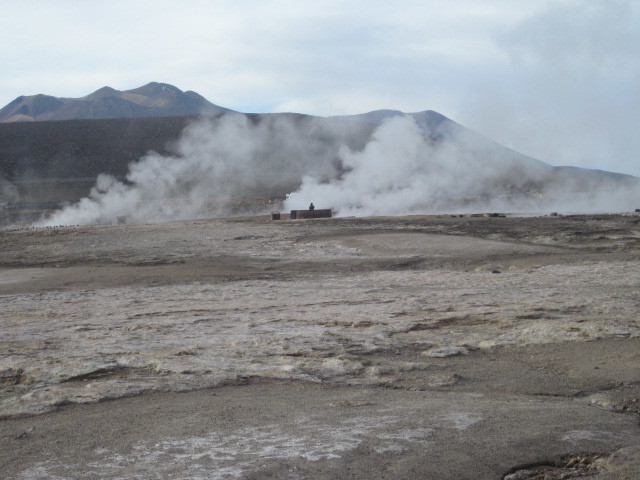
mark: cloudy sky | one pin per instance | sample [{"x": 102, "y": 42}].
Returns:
[{"x": 557, "y": 80}]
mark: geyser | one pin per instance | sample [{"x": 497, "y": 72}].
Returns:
[
  {"x": 406, "y": 170},
  {"x": 401, "y": 166},
  {"x": 217, "y": 161}
]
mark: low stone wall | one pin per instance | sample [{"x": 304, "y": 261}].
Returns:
[{"x": 321, "y": 213}]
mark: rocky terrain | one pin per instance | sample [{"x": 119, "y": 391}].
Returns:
[{"x": 449, "y": 347}]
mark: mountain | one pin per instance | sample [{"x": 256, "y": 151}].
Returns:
[{"x": 151, "y": 100}]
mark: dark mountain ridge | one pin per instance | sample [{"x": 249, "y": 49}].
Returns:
[{"x": 151, "y": 100}]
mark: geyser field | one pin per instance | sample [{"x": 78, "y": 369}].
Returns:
[
  {"x": 148, "y": 331},
  {"x": 382, "y": 163},
  {"x": 444, "y": 347}
]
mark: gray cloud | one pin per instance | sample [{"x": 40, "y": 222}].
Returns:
[
  {"x": 568, "y": 94},
  {"x": 588, "y": 34}
]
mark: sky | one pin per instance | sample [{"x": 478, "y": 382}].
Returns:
[{"x": 556, "y": 80}]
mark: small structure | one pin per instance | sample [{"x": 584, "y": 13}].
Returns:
[{"x": 321, "y": 213}]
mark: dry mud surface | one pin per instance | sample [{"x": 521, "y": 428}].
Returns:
[{"x": 411, "y": 347}]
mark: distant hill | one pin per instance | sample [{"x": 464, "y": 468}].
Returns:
[{"x": 151, "y": 100}]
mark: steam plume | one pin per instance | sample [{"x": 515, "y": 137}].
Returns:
[
  {"x": 399, "y": 167},
  {"x": 8, "y": 192},
  {"x": 402, "y": 171},
  {"x": 217, "y": 161}
]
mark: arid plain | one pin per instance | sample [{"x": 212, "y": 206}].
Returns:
[{"x": 444, "y": 347}]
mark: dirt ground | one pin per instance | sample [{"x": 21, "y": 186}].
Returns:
[{"x": 445, "y": 347}]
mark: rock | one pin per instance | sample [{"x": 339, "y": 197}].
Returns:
[{"x": 447, "y": 351}]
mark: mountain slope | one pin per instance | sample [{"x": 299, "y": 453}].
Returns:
[
  {"x": 151, "y": 100},
  {"x": 441, "y": 129}
]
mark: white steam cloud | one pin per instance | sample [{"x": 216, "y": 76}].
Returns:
[
  {"x": 402, "y": 166},
  {"x": 218, "y": 162},
  {"x": 8, "y": 192},
  {"x": 402, "y": 171}
]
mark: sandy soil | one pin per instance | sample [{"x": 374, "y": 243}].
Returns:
[{"x": 408, "y": 347}]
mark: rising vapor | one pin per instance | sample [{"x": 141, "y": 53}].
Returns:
[
  {"x": 401, "y": 166},
  {"x": 217, "y": 161},
  {"x": 403, "y": 171}
]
